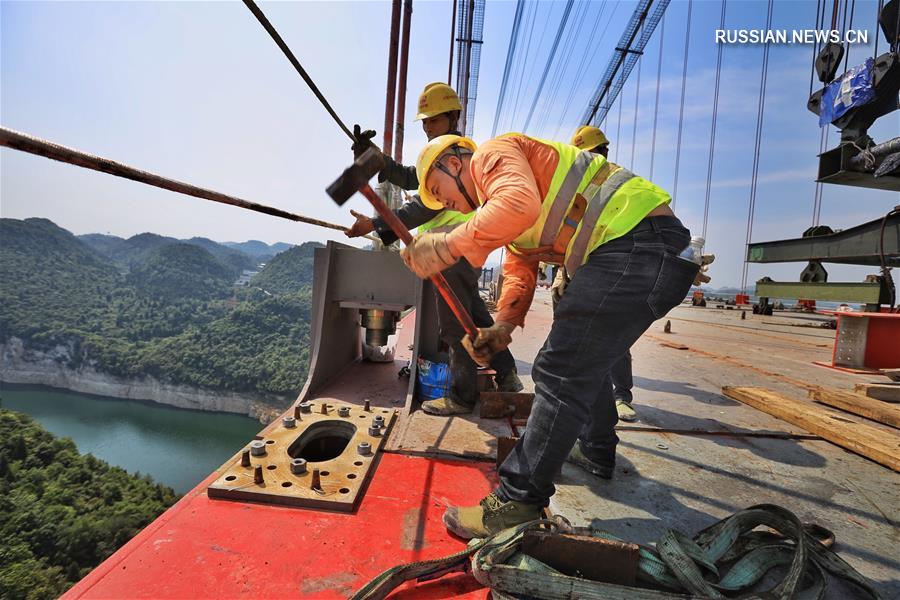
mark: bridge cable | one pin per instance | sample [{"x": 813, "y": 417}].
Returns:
[
  {"x": 559, "y": 33},
  {"x": 687, "y": 45},
  {"x": 758, "y": 143},
  {"x": 662, "y": 37},
  {"x": 293, "y": 60},
  {"x": 507, "y": 67},
  {"x": 712, "y": 129},
  {"x": 637, "y": 96}
]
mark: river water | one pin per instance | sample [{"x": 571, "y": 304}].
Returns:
[{"x": 175, "y": 446}]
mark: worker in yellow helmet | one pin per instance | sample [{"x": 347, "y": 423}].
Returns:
[
  {"x": 592, "y": 139},
  {"x": 619, "y": 241},
  {"x": 439, "y": 109}
]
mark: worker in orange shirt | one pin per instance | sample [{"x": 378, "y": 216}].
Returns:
[
  {"x": 619, "y": 241},
  {"x": 439, "y": 109}
]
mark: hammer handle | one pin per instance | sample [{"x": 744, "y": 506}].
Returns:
[{"x": 400, "y": 230}]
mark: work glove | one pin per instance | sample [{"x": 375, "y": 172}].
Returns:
[
  {"x": 558, "y": 288},
  {"x": 362, "y": 141},
  {"x": 705, "y": 261},
  {"x": 428, "y": 254},
  {"x": 489, "y": 342},
  {"x": 363, "y": 225}
]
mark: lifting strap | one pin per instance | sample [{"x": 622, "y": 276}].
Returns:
[{"x": 725, "y": 557}]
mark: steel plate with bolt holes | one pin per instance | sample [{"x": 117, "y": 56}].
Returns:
[{"x": 338, "y": 447}]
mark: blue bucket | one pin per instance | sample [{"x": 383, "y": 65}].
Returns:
[{"x": 433, "y": 379}]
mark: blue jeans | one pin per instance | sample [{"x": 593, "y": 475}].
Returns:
[{"x": 613, "y": 298}]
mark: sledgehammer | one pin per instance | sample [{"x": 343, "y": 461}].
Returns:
[{"x": 355, "y": 178}]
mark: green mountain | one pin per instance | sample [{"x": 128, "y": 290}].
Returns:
[
  {"x": 259, "y": 250},
  {"x": 236, "y": 260},
  {"x": 181, "y": 271},
  {"x": 288, "y": 272},
  {"x": 175, "y": 315},
  {"x": 61, "y": 513}
]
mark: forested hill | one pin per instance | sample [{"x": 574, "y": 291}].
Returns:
[
  {"x": 152, "y": 305},
  {"x": 61, "y": 513}
]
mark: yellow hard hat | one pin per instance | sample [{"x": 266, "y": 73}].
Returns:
[
  {"x": 437, "y": 98},
  {"x": 429, "y": 155},
  {"x": 589, "y": 137}
]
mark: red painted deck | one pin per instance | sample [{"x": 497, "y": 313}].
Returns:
[{"x": 202, "y": 548}]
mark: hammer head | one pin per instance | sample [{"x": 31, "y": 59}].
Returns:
[{"x": 356, "y": 175}]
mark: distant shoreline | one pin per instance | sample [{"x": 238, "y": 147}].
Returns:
[{"x": 48, "y": 372}]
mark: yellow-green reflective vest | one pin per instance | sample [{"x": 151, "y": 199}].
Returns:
[
  {"x": 446, "y": 220},
  {"x": 617, "y": 200}
]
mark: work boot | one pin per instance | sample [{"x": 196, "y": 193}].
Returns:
[
  {"x": 490, "y": 516},
  {"x": 446, "y": 406},
  {"x": 626, "y": 413},
  {"x": 578, "y": 457},
  {"x": 510, "y": 382}
]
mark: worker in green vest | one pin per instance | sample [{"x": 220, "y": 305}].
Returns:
[
  {"x": 592, "y": 139},
  {"x": 439, "y": 109},
  {"x": 619, "y": 241}
]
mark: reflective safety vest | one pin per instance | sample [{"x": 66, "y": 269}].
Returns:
[
  {"x": 590, "y": 201},
  {"x": 446, "y": 221}
]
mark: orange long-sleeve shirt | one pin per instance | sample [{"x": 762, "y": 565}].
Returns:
[{"x": 512, "y": 175}]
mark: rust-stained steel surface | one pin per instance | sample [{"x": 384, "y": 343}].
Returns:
[{"x": 335, "y": 477}]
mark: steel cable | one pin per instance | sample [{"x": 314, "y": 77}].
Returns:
[
  {"x": 712, "y": 129},
  {"x": 758, "y": 142},
  {"x": 687, "y": 45},
  {"x": 662, "y": 37},
  {"x": 293, "y": 59}
]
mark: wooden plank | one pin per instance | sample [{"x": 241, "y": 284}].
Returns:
[
  {"x": 887, "y": 392},
  {"x": 858, "y": 405},
  {"x": 593, "y": 558},
  {"x": 498, "y": 405},
  {"x": 875, "y": 443}
]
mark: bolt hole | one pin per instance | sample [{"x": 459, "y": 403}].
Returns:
[
  {"x": 362, "y": 416},
  {"x": 324, "y": 473},
  {"x": 358, "y": 463},
  {"x": 270, "y": 441},
  {"x": 344, "y": 490},
  {"x": 351, "y": 476},
  {"x": 287, "y": 484},
  {"x": 271, "y": 467},
  {"x": 384, "y": 411},
  {"x": 231, "y": 478}
]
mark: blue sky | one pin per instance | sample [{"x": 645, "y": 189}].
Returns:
[{"x": 197, "y": 91}]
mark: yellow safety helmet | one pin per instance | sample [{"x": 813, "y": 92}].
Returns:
[
  {"x": 429, "y": 155},
  {"x": 437, "y": 98},
  {"x": 589, "y": 137}
]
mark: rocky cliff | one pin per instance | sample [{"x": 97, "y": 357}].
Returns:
[{"x": 23, "y": 365}]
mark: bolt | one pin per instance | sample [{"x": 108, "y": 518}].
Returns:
[
  {"x": 324, "y": 409},
  {"x": 378, "y": 421},
  {"x": 306, "y": 407},
  {"x": 245, "y": 458},
  {"x": 367, "y": 406},
  {"x": 258, "y": 448},
  {"x": 316, "y": 480},
  {"x": 344, "y": 411},
  {"x": 297, "y": 411},
  {"x": 667, "y": 328},
  {"x": 364, "y": 448},
  {"x": 743, "y": 315},
  {"x": 258, "y": 475},
  {"x": 298, "y": 466},
  {"x": 374, "y": 430},
  {"x": 289, "y": 422}
]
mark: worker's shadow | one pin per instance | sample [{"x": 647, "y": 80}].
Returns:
[
  {"x": 674, "y": 492},
  {"x": 778, "y": 448},
  {"x": 683, "y": 389}
]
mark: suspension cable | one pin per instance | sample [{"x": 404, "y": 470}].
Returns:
[
  {"x": 815, "y": 46},
  {"x": 712, "y": 128},
  {"x": 758, "y": 142},
  {"x": 507, "y": 67},
  {"x": 559, "y": 33},
  {"x": 293, "y": 59},
  {"x": 619, "y": 130},
  {"x": 40, "y": 147},
  {"x": 523, "y": 63},
  {"x": 849, "y": 27},
  {"x": 662, "y": 37},
  {"x": 637, "y": 96},
  {"x": 687, "y": 45}
]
